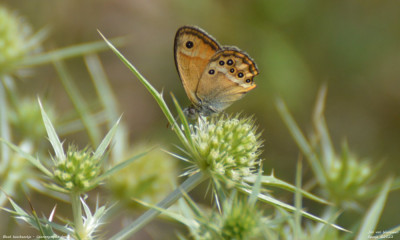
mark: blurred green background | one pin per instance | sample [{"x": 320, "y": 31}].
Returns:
[{"x": 352, "y": 46}]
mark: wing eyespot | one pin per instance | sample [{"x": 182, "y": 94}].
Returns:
[{"x": 189, "y": 44}]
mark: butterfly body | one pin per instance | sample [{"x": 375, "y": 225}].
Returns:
[{"x": 212, "y": 75}]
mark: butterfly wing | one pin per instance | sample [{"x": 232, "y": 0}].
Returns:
[
  {"x": 227, "y": 77},
  {"x": 193, "y": 49}
]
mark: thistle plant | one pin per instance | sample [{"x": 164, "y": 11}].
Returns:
[
  {"x": 228, "y": 148},
  {"x": 223, "y": 150},
  {"x": 232, "y": 169},
  {"x": 91, "y": 222},
  {"x": 343, "y": 178},
  {"x": 20, "y": 116},
  {"x": 16, "y": 40},
  {"x": 25, "y": 117},
  {"x": 150, "y": 178},
  {"x": 349, "y": 179},
  {"x": 73, "y": 173},
  {"x": 240, "y": 218},
  {"x": 77, "y": 170}
]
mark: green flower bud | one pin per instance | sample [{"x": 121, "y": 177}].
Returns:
[
  {"x": 149, "y": 178},
  {"x": 238, "y": 220},
  {"x": 228, "y": 147},
  {"x": 27, "y": 121},
  {"x": 348, "y": 177},
  {"x": 15, "y": 40},
  {"x": 78, "y": 170}
]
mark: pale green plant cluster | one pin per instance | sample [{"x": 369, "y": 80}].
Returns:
[
  {"x": 77, "y": 169},
  {"x": 150, "y": 178},
  {"x": 223, "y": 150},
  {"x": 26, "y": 119},
  {"x": 16, "y": 39},
  {"x": 229, "y": 147},
  {"x": 239, "y": 220}
]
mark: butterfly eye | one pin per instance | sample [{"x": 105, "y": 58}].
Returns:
[
  {"x": 211, "y": 71},
  {"x": 229, "y": 62},
  {"x": 232, "y": 70},
  {"x": 189, "y": 44},
  {"x": 240, "y": 75},
  {"x": 221, "y": 63},
  {"x": 248, "y": 80}
]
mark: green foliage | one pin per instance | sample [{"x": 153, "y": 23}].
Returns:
[
  {"x": 344, "y": 179},
  {"x": 150, "y": 178},
  {"x": 224, "y": 150},
  {"x": 16, "y": 40}
]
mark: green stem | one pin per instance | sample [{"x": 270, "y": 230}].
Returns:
[
  {"x": 77, "y": 214},
  {"x": 4, "y": 129},
  {"x": 156, "y": 95},
  {"x": 79, "y": 103},
  {"x": 9, "y": 185},
  {"x": 186, "y": 186},
  {"x": 302, "y": 142}
]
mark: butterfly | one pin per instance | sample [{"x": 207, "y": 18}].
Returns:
[{"x": 212, "y": 75}]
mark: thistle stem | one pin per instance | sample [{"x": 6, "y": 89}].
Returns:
[{"x": 77, "y": 214}]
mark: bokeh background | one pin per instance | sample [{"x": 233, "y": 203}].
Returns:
[{"x": 352, "y": 46}]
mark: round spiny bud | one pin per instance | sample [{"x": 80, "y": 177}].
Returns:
[
  {"x": 149, "y": 178},
  {"x": 78, "y": 170},
  {"x": 238, "y": 220},
  {"x": 348, "y": 179},
  {"x": 227, "y": 147},
  {"x": 15, "y": 39},
  {"x": 26, "y": 118}
]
